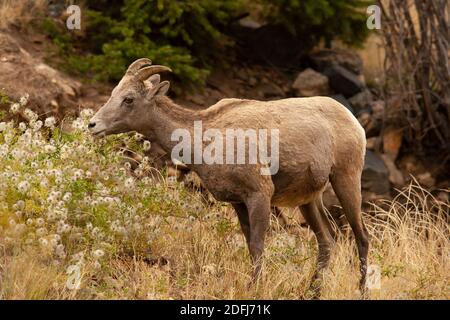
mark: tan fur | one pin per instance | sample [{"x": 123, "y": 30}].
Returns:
[{"x": 320, "y": 141}]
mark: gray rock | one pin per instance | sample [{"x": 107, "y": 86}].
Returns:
[
  {"x": 426, "y": 179},
  {"x": 325, "y": 58},
  {"x": 377, "y": 107},
  {"x": 310, "y": 83},
  {"x": 361, "y": 101},
  {"x": 375, "y": 175},
  {"x": 269, "y": 90},
  {"x": 344, "y": 81}
]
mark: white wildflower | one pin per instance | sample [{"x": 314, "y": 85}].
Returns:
[
  {"x": 86, "y": 113},
  {"x": 15, "y": 107},
  {"x": 105, "y": 175},
  {"x": 23, "y": 186},
  {"x": 22, "y": 126},
  {"x": 97, "y": 254},
  {"x": 49, "y": 148},
  {"x": 18, "y": 154},
  {"x": 30, "y": 115},
  {"x": 8, "y": 137},
  {"x": 19, "y": 205},
  {"x": 41, "y": 232},
  {"x": 3, "y": 150},
  {"x": 50, "y": 122},
  {"x": 53, "y": 242},
  {"x": 209, "y": 269},
  {"x": 78, "y": 174},
  {"x": 62, "y": 227},
  {"x": 129, "y": 183},
  {"x": 43, "y": 242},
  {"x": 67, "y": 196},
  {"x": 79, "y": 257},
  {"x": 78, "y": 124},
  {"x": 59, "y": 250},
  {"x": 147, "y": 145},
  {"x": 24, "y": 99},
  {"x": 37, "y": 125}
]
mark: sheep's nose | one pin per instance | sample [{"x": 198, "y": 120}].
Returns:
[{"x": 91, "y": 125}]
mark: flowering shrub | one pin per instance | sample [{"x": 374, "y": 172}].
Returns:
[{"x": 74, "y": 199}]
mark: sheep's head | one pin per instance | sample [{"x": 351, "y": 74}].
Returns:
[{"x": 124, "y": 110}]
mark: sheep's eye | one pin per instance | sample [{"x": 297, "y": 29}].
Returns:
[{"x": 128, "y": 100}]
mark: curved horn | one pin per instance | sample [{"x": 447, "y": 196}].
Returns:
[
  {"x": 138, "y": 64},
  {"x": 144, "y": 73}
]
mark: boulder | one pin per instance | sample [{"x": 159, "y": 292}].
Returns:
[
  {"x": 344, "y": 81},
  {"x": 411, "y": 164},
  {"x": 310, "y": 83},
  {"x": 373, "y": 143},
  {"x": 361, "y": 101},
  {"x": 372, "y": 120},
  {"x": 392, "y": 141},
  {"x": 443, "y": 196},
  {"x": 377, "y": 107},
  {"x": 395, "y": 175},
  {"x": 269, "y": 90},
  {"x": 325, "y": 58},
  {"x": 375, "y": 175},
  {"x": 426, "y": 179}
]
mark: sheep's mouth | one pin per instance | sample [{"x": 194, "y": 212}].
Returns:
[{"x": 100, "y": 133}]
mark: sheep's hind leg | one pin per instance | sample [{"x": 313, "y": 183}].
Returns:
[
  {"x": 348, "y": 190},
  {"x": 313, "y": 218}
]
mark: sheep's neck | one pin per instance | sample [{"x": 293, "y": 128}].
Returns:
[{"x": 166, "y": 117}]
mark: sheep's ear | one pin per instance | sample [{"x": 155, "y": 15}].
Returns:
[
  {"x": 161, "y": 89},
  {"x": 153, "y": 81}
]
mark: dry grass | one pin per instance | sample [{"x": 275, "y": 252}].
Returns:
[
  {"x": 20, "y": 12},
  {"x": 409, "y": 242}
]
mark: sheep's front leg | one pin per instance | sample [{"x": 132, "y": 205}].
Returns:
[{"x": 259, "y": 211}]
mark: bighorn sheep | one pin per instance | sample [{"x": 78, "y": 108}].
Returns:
[{"x": 320, "y": 141}]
